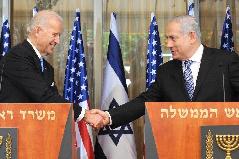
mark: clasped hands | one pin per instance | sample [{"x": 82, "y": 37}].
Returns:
[{"x": 96, "y": 118}]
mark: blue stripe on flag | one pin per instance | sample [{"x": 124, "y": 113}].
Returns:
[{"x": 114, "y": 57}]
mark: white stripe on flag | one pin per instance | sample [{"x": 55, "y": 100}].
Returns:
[
  {"x": 113, "y": 27},
  {"x": 80, "y": 146},
  {"x": 113, "y": 88}
]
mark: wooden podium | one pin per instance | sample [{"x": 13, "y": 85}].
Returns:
[
  {"x": 44, "y": 131},
  {"x": 172, "y": 130}
]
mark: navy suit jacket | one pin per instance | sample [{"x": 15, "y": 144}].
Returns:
[
  {"x": 22, "y": 80},
  {"x": 217, "y": 81}
]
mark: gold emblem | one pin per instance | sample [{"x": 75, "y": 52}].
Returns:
[
  {"x": 9, "y": 146},
  {"x": 1, "y": 138},
  {"x": 209, "y": 145},
  {"x": 228, "y": 143}
]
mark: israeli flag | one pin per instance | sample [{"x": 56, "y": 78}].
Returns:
[{"x": 115, "y": 143}]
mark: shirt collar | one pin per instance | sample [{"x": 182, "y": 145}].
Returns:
[
  {"x": 35, "y": 49},
  {"x": 197, "y": 56}
]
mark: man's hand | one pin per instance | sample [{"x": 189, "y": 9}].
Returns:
[
  {"x": 94, "y": 119},
  {"x": 104, "y": 115}
]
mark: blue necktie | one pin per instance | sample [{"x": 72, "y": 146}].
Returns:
[
  {"x": 42, "y": 64},
  {"x": 188, "y": 77}
]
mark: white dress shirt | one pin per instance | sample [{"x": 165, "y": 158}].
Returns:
[
  {"x": 35, "y": 49},
  {"x": 196, "y": 58}
]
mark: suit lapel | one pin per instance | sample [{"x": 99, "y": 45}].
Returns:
[
  {"x": 34, "y": 56},
  {"x": 177, "y": 75},
  {"x": 205, "y": 66},
  {"x": 46, "y": 74}
]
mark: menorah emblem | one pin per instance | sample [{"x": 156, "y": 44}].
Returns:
[
  {"x": 1, "y": 138},
  {"x": 228, "y": 143}
]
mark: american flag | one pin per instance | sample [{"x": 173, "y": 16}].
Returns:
[
  {"x": 5, "y": 42},
  {"x": 76, "y": 88},
  {"x": 227, "y": 34},
  {"x": 191, "y": 7},
  {"x": 154, "y": 52}
]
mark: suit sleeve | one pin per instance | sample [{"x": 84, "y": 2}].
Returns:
[
  {"x": 135, "y": 108},
  {"x": 234, "y": 76},
  {"x": 21, "y": 71}
]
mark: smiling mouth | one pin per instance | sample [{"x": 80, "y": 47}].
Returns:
[{"x": 52, "y": 43}]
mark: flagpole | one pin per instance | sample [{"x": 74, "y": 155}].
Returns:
[
  {"x": 98, "y": 51},
  {"x": 155, "y": 6},
  {"x": 6, "y": 12}
]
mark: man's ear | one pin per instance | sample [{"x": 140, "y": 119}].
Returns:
[
  {"x": 193, "y": 37},
  {"x": 37, "y": 30}
]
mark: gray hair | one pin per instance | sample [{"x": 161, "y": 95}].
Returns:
[
  {"x": 42, "y": 18},
  {"x": 188, "y": 24}
]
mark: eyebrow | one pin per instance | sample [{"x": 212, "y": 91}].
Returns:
[{"x": 171, "y": 36}]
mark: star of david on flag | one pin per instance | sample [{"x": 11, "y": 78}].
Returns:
[
  {"x": 114, "y": 143},
  {"x": 115, "y": 134},
  {"x": 227, "y": 34},
  {"x": 5, "y": 42},
  {"x": 154, "y": 52},
  {"x": 76, "y": 88}
]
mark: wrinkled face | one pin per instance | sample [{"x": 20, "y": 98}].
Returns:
[
  {"x": 48, "y": 36},
  {"x": 178, "y": 43}
]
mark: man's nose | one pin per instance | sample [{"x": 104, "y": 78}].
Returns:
[
  {"x": 57, "y": 39},
  {"x": 169, "y": 43}
]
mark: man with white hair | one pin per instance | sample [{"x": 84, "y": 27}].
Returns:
[
  {"x": 196, "y": 74},
  {"x": 26, "y": 77}
]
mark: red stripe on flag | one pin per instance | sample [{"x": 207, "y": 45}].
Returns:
[{"x": 86, "y": 139}]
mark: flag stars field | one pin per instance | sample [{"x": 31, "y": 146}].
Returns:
[
  {"x": 154, "y": 52},
  {"x": 5, "y": 42},
  {"x": 227, "y": 34}
]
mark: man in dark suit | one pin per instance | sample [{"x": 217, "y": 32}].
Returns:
[
  {"x": 25, "y": 76},
  {"x": 212, "y": 76}
]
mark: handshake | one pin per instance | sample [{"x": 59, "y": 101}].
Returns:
[{"x": 97, "y": 118}]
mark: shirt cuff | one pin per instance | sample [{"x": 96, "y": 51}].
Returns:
[
  {"x": 81, "y": 116},
  {"x": 110, "y": 123}
]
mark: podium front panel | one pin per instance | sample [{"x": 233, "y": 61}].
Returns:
[
  {"x": 176, "y": 127},
  {"x": 41, "y": 128}
]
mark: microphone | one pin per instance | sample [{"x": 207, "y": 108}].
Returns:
[
  {"x": 223, "y": 87},
  {"x": 1, "y": 74},
  {"x": 223, "y": 82}
]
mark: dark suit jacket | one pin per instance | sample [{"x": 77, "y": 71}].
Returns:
[
  {"x": 218, "y": 75},
  {"x": 22, "y": 80}
]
